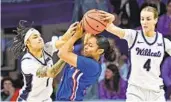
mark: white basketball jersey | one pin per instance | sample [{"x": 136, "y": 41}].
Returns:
[
  {"x": 145, "y": 60},
  {"x": 35, "y": 88}
]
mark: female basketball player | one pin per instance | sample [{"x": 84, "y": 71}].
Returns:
[
  {"x": 82, "y": 71},
  {"x": 147, "y": 48},
  {"x": 37, "y": 62}
]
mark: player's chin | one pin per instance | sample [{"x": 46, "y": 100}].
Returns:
[
  {"x": 86, "y": 54},
  {"x": 40, "y": 46},
  {"x": 146, "y": 29}
]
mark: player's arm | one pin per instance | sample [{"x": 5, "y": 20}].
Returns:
[
  {"x": 51, "y": 72},
  {"x": 57, "y": 67},
  {"x": 167, "y": 46},
  {"x": 65, "y": 53},
  {"x": 111, "y": 27},
  {"x": 59, "y": 43}
]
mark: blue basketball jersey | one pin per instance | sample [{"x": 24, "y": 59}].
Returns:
[{"x": 75, "y": 80}]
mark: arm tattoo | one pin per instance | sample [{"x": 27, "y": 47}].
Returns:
[
  {"x": 57, "y": 67},
  {"x": 53, "y": 71},
  {"x": 42, "y": 71}
]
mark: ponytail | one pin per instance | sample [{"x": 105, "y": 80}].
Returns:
[
  {"x": 18, "y": 48},
  {"x": 110, "y": 54},
  {"x": 103, "y": 43}
]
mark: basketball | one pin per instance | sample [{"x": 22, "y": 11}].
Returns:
[{"x": 92, "y": 22}]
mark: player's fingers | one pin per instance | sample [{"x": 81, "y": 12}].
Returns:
[
  {"x": 106, "y": 18},
  {"x": 103, "y": 15},
  {"x": 72, "y": 33},
  {"x": 103, "y": 12},
  {"x": 73, "y": 28},
  {"x": 74, "y": 24}
]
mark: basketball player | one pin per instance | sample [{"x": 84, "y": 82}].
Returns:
[
  {"x": 36, "y": 65},
  {"x": 147, "y": 48},
  {"x": 82, "y": 71}
]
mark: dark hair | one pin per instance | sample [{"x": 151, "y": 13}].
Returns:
[
  {"x": 6, "y": 79},
  {"x": 103, "y": 43},
  {"x": 115, "y": 80},
  {"x": 18, "y": 47}
]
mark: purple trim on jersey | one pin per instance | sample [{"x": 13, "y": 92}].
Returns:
[
  {"x": 28, "y": 88},
  {"x": 39, "y": 60},
  {"x": 130, "y": 66},
  {"x": 163, "y": 43},
  {"x": 25, "y": 58},
  {"x": 163, "y": 57},
  {"x": 134, "y": 40},
  {"x": 47, "y": 54},
  {"x": 146, "y": 39}
]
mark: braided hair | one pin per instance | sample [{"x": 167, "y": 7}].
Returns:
[{"x": 18, "y": 47}]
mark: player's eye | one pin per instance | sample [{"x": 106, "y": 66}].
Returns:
[
  {"x": 148, "y": 19},
  {"x": 35, "y": 37}
]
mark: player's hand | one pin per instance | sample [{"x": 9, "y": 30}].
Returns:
[
  {"x": 79, "y": 31},
  {"x": 108, "y": 17},
  {"x": 70, "y": 32}
]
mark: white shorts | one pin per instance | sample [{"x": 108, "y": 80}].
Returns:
[{"x": 135, "y": 93}]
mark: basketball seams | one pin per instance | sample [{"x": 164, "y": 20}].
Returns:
[
  {"x": 92, "y": 22},
  {"x": 95, "y": 19},
  {"x": 91, "y": 26}
]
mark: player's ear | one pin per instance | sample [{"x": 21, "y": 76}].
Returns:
[
  {"x": 27, "y": 42},
  {"x": 100, "y": 51}
]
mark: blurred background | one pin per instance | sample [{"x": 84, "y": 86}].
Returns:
[{"x": 53, "y": 17}]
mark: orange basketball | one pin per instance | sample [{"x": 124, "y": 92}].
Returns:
[{"x": 92, "y": 22}]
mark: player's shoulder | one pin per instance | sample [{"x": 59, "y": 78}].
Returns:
[
  {"x": 88, "y": 60},
  {"x": 27, "y": 58},
  {"x": 139, "y": 31},
  {"x": 167, "y": 41},
  {"x": 159, "y": 33}
]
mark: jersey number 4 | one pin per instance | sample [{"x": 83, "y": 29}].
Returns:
[{"x": 147, "y": 65}]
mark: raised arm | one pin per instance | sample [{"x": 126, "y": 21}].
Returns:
[
  {"x": 57, "y": 67},
  {"x": 108, "y": 17},
  {"x": 66, "y": 54},
  {"x": 59, "y": 43}
]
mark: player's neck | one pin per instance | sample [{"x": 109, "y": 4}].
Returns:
[
  {"x": 97, "y": 58},
  {"x": 149, "y": 33},
  {"x": 36, "y": 53}
]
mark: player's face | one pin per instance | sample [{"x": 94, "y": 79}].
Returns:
[
  {"x": 91, "y": 48},
  {"x": 108, "y": 74},
  {"x": 148, "y": 21},
  {"x": 35, "y": 41}
]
